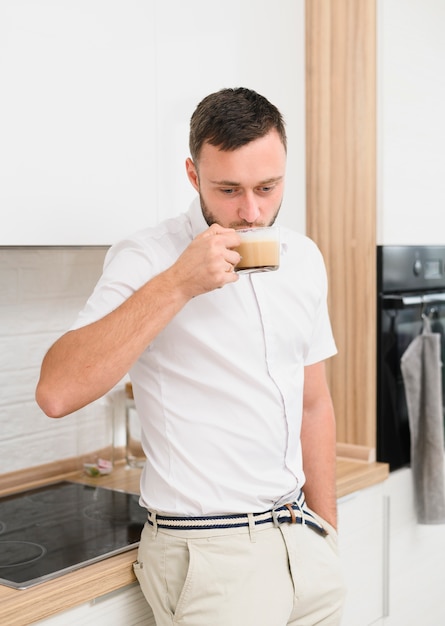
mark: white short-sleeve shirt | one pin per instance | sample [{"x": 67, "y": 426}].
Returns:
[{"x": 219, "y": 391}]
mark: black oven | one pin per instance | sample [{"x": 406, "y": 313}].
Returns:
[{"x": 411, "y": 283}]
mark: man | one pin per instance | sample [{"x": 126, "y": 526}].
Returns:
[{"x": 229, "y": 382}]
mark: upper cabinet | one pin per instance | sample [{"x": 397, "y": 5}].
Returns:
[
  {"x": 77, "y": 120},
  {"x": 411, "y": 122},
  {"x": 96, "y": 102}
]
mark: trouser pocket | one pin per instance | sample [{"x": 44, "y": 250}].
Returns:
[{"x": 164, "y": 570}]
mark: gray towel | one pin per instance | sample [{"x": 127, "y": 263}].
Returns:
[{"x": 422, "y": 375}]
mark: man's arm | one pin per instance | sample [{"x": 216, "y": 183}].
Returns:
[
  {"x": 85, "y": 364},
  {"x": 318, "y": 440}
]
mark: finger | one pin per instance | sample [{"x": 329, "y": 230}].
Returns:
[
  {"x": 216, "y": 229},
  {"x": 233, "y": 257}
]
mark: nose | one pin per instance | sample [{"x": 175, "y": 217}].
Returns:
[{"x": 249, "y": 210}]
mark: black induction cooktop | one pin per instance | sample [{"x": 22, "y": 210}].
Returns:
[{"x": 58, "y": 528}]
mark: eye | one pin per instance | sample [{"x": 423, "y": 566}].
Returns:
[
  {"x": 229, "y": 191},
  {"x": 266, "y": 188}
]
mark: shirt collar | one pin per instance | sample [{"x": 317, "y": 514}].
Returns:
[{"x": 196, "y": 218}]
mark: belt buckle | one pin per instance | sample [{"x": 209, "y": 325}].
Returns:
[
  {"x": 276, "y": 515},
  {"x": 293, "y": 517}
]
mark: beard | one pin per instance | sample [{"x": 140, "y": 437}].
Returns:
[{"x": 211, "y": 219}]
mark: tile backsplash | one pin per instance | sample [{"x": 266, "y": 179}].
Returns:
[{"x": 41, "y": 292}]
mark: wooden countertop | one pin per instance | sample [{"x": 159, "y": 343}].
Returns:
[
  {"x": 354, "y": 475},
  {"x": 24, "y": 607}
]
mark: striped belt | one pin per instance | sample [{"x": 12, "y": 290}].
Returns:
[{"x": 292, "y": 513}]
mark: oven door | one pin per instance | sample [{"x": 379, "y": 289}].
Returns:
[{"x": 399, "y": 322}]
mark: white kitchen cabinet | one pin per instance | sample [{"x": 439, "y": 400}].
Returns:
[
  {"x": 96, "y": 101},
  {"x": 416, "y": 560},
  {"x": 362, "y": 546},
  {"x": 125, "y": 607},
  {"x": 198, "y": 54},
  {"x": 394, "y": 567},
  {"x": 411, "y": 124},
  {"x": 77, "y": 120}
]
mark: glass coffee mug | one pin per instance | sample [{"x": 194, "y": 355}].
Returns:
[{"x": 259, "y": 250}]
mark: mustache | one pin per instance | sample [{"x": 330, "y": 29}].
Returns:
[
  {"x": 211, "y": 219},
  {"x": 238, "y": 225}
]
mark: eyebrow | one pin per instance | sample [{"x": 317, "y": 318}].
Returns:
[{"x": 231, "y": 183}]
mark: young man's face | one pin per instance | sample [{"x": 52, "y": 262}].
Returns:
[{"x": 241, "y": 188}]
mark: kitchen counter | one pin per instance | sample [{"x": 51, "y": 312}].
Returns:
[
  {"x": 23, "y": 607},
  {"x": 353, "y": 475}
]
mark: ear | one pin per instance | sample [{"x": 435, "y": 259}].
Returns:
[{"x": 192, "y": 173}]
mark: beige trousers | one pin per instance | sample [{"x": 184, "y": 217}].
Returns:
[{"x": 273, "y": 576}]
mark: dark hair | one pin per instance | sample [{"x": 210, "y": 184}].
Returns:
[{"x": 231, "y": 118}]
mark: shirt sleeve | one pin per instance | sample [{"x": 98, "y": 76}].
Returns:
[
  {"x": 127, "y": 266},
  {"x": 322, "y": 345}
]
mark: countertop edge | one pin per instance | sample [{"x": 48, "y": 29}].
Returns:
[
  {"x": 24, "y": 607},
  {"x": 355, "y": 475}
]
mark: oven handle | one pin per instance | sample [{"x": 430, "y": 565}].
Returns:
[{"x": 397, "y": 300}]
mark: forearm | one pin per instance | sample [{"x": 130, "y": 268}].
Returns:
[
  {"x": 318, "y": 440},
  {"x": 319, "y": 466},
  {"x": 85, "y": 364}
]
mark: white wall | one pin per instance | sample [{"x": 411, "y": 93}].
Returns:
[
  {"x": 41, "y": 293},
  {"x": 411, "y": 122}
]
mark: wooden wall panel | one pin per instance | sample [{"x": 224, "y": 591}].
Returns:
[{"x": 341, "y": 195}]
